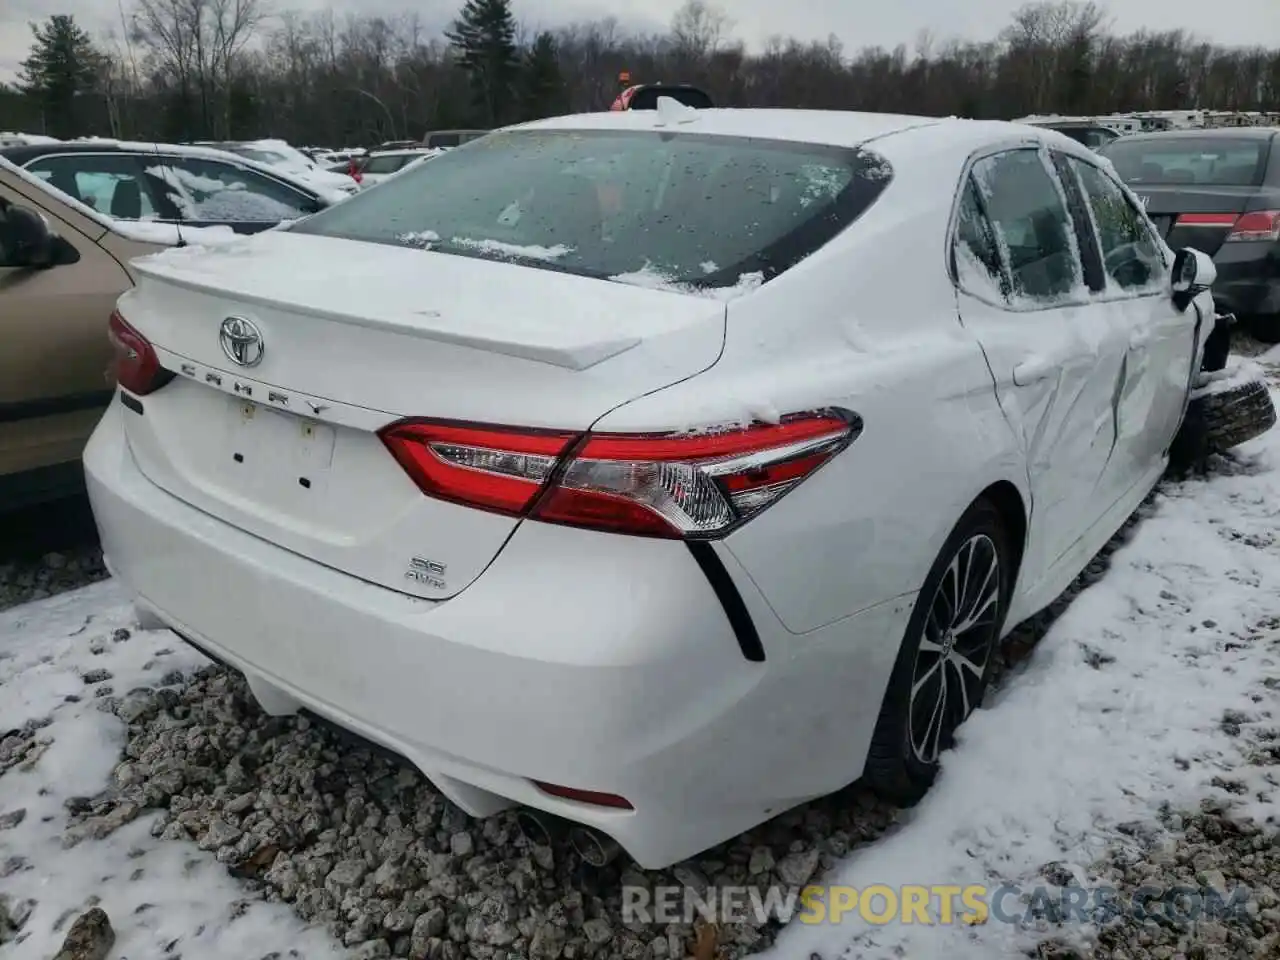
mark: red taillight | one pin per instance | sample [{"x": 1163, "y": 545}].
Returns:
[
  {"x": 136, "y": 367},
  {"x": 593, "y": 797},
  {"x": 1259, "y": 225},
  {"x": 488, "y": 467},
  {"x": 1262, "y": 225},
  {"x": 1206, "y": 220},
  {"x": 659, "y": 485}
]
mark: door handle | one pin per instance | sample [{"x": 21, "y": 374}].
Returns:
[{"x": 1035, "y": 368}]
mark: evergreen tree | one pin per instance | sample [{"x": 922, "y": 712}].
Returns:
[
  {"x": 62, "y": 65},
  {"x": 484, "y": 38},
  {"x": 543, "y": 86}
]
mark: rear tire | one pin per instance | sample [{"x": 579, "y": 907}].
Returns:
[{"x": 945, "y": 663}]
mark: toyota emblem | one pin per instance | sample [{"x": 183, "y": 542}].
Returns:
[{"x": 242, "y": 341}]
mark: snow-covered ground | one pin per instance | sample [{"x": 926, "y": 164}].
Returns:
[
  {"x": 1117, "y": 712},
  {"x": 61, "y": 660}
]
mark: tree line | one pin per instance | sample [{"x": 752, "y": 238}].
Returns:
[{"x": 232, "y": 69}]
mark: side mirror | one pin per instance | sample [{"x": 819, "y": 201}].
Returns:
[
  {"x": 25, "y": 238},
  {"x": 1193, "y": 270},
  {"x": 1193, "y": 273}
]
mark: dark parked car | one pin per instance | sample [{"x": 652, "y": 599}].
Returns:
[
  {"x": 1218, "y": 191},
  {"x": 644, "y": 96},
  {"x": 160, "y": 183},
  {"x": 1092, "y": 135}
]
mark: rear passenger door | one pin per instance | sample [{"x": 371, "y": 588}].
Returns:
[
  {"x": 54, "y": 353},
  {"x": 1055, "y": 357},
  {"x": 1160, "y": 341}
]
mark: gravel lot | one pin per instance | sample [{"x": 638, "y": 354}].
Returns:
[{"x": 46, "y": 550}]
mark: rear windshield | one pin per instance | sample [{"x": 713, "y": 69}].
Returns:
[
  {"x": 1196, "y": 161},
  {"x": 671, "y": 208}
]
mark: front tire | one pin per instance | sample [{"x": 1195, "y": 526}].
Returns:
[{"x": 945, "y": 663}]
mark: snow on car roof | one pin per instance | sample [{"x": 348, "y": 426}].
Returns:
[{"x": 194, "y": 150}]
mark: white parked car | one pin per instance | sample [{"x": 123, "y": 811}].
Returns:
[
  {"x": 160, "y": 183},
  {"x": 381, "y": 164},
  {"x": 655, "y": 472},
  {"x": 282, "y": 156}
]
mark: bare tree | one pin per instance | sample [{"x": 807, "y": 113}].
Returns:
[
  {"x": 698, "y": 29},
  {"x": 361, "y": 79},
  {"x": 196, "y": 42}
]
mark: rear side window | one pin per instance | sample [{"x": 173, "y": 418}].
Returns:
[
  {"x": 111, "y": 183},
  {"x": 1190, "y": 160},
  {"x": 657, "y": 208},
  {"x": 1131, "y": 256},
  {"x": 1033, "y": 230}
]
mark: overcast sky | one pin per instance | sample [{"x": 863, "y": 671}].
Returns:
[{"x": 853, "y": 21}]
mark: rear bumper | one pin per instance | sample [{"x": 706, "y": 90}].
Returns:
[
  {"x": 1248, "y": 281},
  {"x": 581, "y": 659}
]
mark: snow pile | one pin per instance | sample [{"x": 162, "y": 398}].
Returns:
[
  {"x": 652, "y": 278},
  {"x": 65, "y": 665},
  {"x": 497, "y": 248},
  {"x": 172, "y": 234},
  {"x": 1237, "y": 372}
]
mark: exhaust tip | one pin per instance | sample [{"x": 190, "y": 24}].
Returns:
[
  {"x": 595, "y": 848},
  {"x": 536, "y": 827}
]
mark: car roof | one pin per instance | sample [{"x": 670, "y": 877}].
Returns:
[
  {"x": 400, "y": 151},
  {"x": 837, "y": 128},
  {"x": 32, "y": 151},
  {"x": 1071, "y": 125},
  {"x": 1212, "y": 133},
  {"x": 21, "y": 156}
]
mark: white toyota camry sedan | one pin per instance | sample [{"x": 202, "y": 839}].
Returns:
[{"x": 655, "y": 471}]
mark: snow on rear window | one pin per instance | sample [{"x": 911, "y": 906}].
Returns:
[
  {"x": 630, "y": 203},
  {"x": 654, "y": 279},
  {"x": 514, "y": 251}
]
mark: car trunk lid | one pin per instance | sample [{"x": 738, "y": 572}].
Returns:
[
  {"x": 356, "y": 336},
  {"x": 1194, "y": 216}
]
